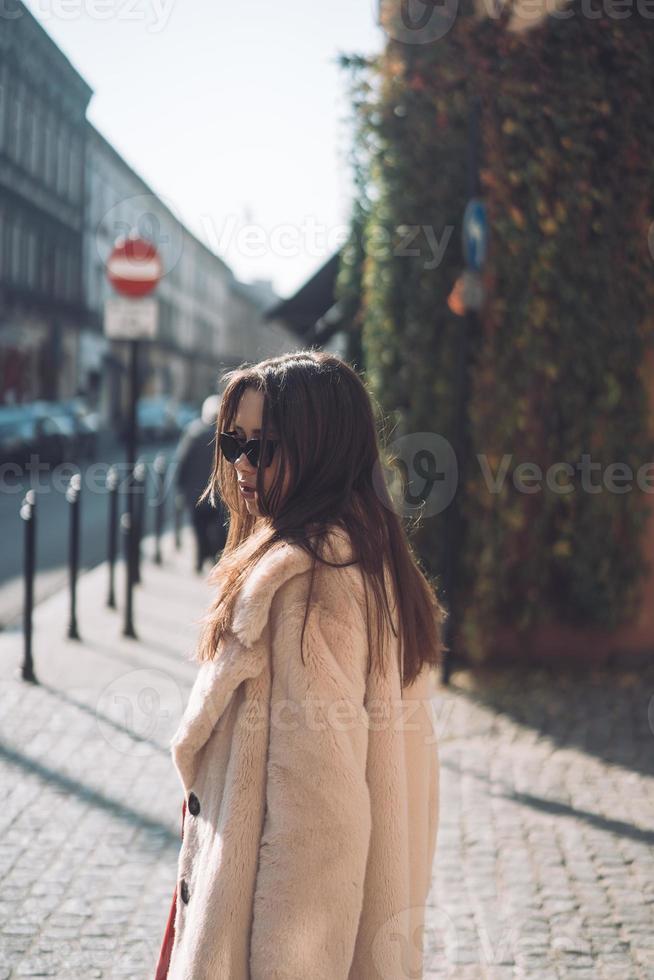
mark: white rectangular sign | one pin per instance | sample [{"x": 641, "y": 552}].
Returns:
[{"x": 131, "y": 319}]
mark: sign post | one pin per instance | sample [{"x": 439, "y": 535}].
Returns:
[
  {"x": 466, "y": 299},
  {"x": 134, "y": 269}
]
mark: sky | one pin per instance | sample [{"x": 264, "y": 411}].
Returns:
[{"x": 236, "y": 114}]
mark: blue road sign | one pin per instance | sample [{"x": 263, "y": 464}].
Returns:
[{"x": 475, "y": 234}]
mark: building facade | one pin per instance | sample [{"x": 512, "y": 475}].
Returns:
[
  {"x": 66, "y": 196},
  {"x": 43, "y": 103}
]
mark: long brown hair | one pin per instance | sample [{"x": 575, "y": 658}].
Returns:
[{"x": 325, "y": 420}]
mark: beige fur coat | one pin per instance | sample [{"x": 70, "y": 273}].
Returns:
[{"x": 311, "y": 791}]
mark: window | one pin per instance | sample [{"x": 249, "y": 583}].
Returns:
[
  {"x": 35, "y": 146},
  {"x": 3, "y": 108},
  {"x": 17, "y": 263},
  {"x": 50, "y": 151},
  {"x": 40, "y": 143},
  {"x": 3, "y": 251},
  {"x": 73, "y": 271},
  {"x": 32, "y": 247},
  {"x": 62, "y": 162},
  {"x": 46, "y": 269},
  {"x": 25, "y": 154},
  {"x": 73, "y": 170},
  {"x": 12, "y": 120},
  {"x": 17, "y": 149},
  {"x": 59, "y": 270}
]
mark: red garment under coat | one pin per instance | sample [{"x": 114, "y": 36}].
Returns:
[{"x": 169, "y": 935}]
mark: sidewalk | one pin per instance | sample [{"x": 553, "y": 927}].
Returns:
[
  {"x": 544, "y": 866},
  {"x": 545, "y": 859},
  {"x": 90, "y": 827}
]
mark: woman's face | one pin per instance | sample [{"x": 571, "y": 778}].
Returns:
[{"x": 247, "y": 424}]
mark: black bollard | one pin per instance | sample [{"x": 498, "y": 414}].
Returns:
[
  {"x": 73, "y": 496},
  {"x": 179, "y": 510},
  {"x": 112, "y": 545},
  {"x": 28, "y": 515},
  {"x": 140, "y": 489},
  {"x": 128, "y": 627},
  {"x": 160, "y": 512}
]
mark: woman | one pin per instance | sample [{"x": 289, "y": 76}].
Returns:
[{"x": 307, "y": 751}]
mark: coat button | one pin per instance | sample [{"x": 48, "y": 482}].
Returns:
[
  {"x": 183, "y": 891},
  {"x": 193, "y": 804}
]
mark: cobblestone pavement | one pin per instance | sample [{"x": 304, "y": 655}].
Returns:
[
  {"x": 91, "y": 806},
  {"x": 544, "y": 866}
]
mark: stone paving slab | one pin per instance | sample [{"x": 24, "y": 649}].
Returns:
[{"x": 544, "y": 865}]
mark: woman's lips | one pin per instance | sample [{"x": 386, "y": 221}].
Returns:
[{"x": 247, "y": 491}]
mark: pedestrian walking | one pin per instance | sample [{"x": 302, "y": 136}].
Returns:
[
  {"x": 194, "y": 459},
  {"x": 307, "y": 752}
]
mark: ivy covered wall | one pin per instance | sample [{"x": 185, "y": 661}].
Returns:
[{"x": 568, "y": 179}]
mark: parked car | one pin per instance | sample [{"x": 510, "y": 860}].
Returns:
[
  {"x": 17, "y": 434},
  {"x": 65, "y": 424},
  {"x": 31, "y": 429},
  {"x": 86, "y": 425},
  {"x": 56, "y": 432},
  {"x": 155, "y": 420},
  {"x": 186, "y": 412},
  {"x": 55, "y": 439}
]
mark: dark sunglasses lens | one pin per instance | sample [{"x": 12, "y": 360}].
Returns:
[
  {"x": 252, "y": 453},
  {"x": 233, "y": 447},
  {"x": 230, "y": 447}
]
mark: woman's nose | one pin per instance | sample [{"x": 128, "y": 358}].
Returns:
[{"x": 242, "y": 464}]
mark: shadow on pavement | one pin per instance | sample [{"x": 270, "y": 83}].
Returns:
[{"x": 605, "y": 712}]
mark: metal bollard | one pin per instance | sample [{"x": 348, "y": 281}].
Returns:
[
  {"x": 125, "y": 525},
  {"x": 28, "y": 515},
  {"x": 160, "y": 512},
  {"x": 179, "y": 510},
  {"x": 73, "y": 496},
  {"x": 112, "y": 545},
  {"x": 140, "y": 490}
]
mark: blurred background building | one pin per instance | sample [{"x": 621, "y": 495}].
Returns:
[
  {"x": 43, "y": 103},
  {"x": 66, "y": 195}
]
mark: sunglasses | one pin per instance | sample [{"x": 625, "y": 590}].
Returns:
[{"x": 232, "y": 446}]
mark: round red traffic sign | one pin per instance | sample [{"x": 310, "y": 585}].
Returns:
[{"x": 134, "y": 267}]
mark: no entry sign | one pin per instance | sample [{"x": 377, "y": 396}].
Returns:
[{"x": 134, "y": 267}]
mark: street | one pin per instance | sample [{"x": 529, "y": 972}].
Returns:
[{"x": 53, "y": 523}]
